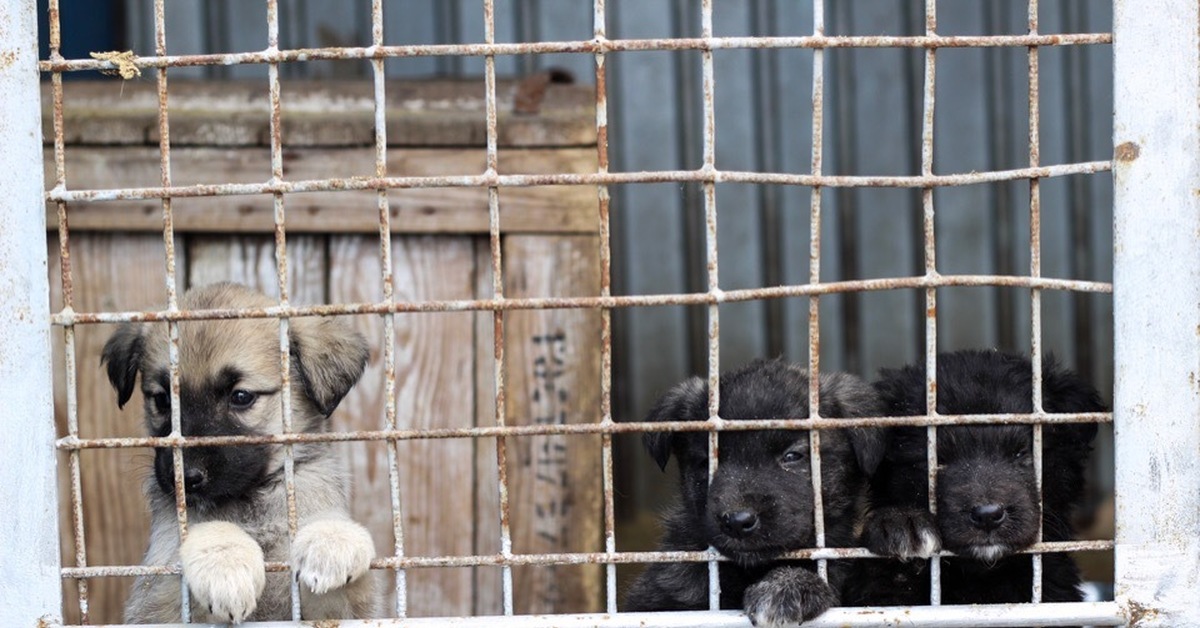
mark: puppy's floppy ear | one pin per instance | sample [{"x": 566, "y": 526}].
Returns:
[
  {"x": 329, "y": 357},
  {"x": 1064, "y": 391},
  {"x": 846, "y": 396},
  {"x": 869, "y": 444},
  {"x": 123, "y": 355},
  {"x": 684, "y": 402}
]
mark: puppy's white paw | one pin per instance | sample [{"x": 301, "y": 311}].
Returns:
[
  {"x": 224, "y": 569},
  {"x": 331, "y": 553},
  {"x": 903, "y": 533}
]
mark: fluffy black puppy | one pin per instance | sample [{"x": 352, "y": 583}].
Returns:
[
  {"x": 760, "y": 504},
  {"x": 987, "y": 495}
]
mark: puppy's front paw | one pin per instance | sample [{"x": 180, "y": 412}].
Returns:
[
  {"x": 330, "y": 553},
  {"x": 788, "y": 595},
  {"x": 902, "y": 532},
  {"x": 224, "y": 570}
]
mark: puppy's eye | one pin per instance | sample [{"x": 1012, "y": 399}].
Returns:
[
  {"x": 792, "y": 456},
  {"x": 242, "y": 399},
  {"x": 1022, "y": 453},
  {"x": 162, "y": 402}
]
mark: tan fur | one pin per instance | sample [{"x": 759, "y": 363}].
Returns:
[{"x": 222, "y": 558}]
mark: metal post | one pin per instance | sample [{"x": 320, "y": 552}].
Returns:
[
  {"x": 30, "y": 584},
  {"x": 1156, "y": 291}
]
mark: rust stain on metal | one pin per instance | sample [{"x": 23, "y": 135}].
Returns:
[
  {"x": 1127, "y": 152},
  {"x": 1139, "y": 614},
  {"x": 705, "y": 174},
  {"x": 590, "y": 46},
  {"x": 501, "y": 430}
]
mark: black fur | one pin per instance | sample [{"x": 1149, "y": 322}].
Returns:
[
  {"x": 987, "y": 492},
  {"x": 760, "y": 504}
]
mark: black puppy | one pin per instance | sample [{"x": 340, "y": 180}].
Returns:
[
  {"x": 987, "y": 496},
  {"x": 760, "y": 504}
]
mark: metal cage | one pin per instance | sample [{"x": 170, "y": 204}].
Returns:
[{"x": 1156, "y": 289}]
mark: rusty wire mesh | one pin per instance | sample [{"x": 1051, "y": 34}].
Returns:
[{"x": 708, "y": 175}]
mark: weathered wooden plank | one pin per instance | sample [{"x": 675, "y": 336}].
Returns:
[
  {"x": 430, "y": 210},
  {"x": 551, "y": 373},
  {"x": 426, "y": 113},
  {"x": 110, "y": 272},
  {"x": 434, "y": 358},
  {"x": 250, "y": 259}
]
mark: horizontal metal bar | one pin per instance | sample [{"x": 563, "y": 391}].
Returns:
[
  {"x": 975, "y": 615},
  {"x": 71, "y": 442},
  {"x": 569, "y": 558},
  {"x": 489, "y": 179},
  {"x": 70, "y": 317},
  {"x": 597, "y": 45}
]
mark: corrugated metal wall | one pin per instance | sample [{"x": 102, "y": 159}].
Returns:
[{"x": 764, "y": 123}]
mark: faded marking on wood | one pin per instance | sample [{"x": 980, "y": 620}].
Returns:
[
  {"x": 562, "y": 209},
  {"x": 552, "y": 376},
  {"x": 110, "y": 272}
]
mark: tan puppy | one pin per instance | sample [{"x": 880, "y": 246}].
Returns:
[{"x": 230, "y": 384}]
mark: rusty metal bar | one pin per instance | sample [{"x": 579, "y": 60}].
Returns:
[
  {"x": 491, "y": 179},
  {"x": 710, "y": 239},
  {"x": 591, "y": 46},
  {"x": 378, "y": 69},
  {"x": 164, "y": 148},
  {"x": 599, "y": 31},
  {"x": 503, "y": 304},
  {"x": 1035, "y": 270},
  {"x": 928, "y": 226},
  {"x": 977, "y": 616},
  {"x": 281, "y": 268},
  {"x": 496, "y": 249},
  {"x": 569, "y": 558},
  {"x": 814, "y": 278},
  {"x": 68, "y": 296},
  {"x": 69, "y": 442}
]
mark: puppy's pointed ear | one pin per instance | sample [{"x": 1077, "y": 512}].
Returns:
[
  {"x": 123, "y": 355},
  {"x": 684, "y": 402},
  {"x": 329, "y": 356}
]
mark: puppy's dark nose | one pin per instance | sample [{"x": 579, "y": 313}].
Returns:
[
  {"x": 739, "y": 523},
  {"x": 988, "y": 516},
  {"x": 194, "y": 479}
]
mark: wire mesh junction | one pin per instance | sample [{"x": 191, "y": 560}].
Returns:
[{"x": 708, "y": 175}]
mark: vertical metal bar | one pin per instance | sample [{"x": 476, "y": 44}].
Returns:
[
  {"x": 489, "y": 23},
  {"x": 30, "y": 585},
  {"x": 1035, "y": 270},
  {"x": 814, "y": 277},
  {"x": 68, "y": 295},
  {"x": 599, "y": 33},
  {"x": 710, "y": 218},
  {"x": 164, "y": 151},
  {"x": 1000, "y": 155},
  {"x": 1156, "y": 286},
  {"x": 928, "y": 226},
  {"x": 281, "y": 267},
  {"x": 389, "y": 320}
]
